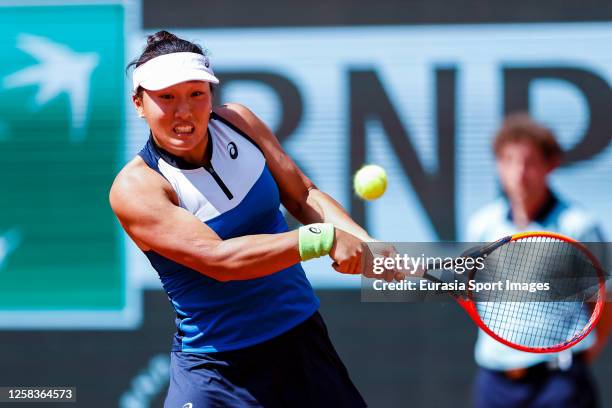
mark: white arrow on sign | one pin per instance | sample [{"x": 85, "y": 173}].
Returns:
[
  {"x": 9, "y": 241},
  {"x": 60, "y": 70}
]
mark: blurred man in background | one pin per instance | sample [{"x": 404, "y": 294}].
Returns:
[{"x": 526, "y": 153}]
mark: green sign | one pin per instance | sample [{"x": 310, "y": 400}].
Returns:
[{"x": 61, "y": 129}]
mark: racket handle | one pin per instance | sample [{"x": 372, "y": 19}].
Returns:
[{"x": 487, "y": 249}]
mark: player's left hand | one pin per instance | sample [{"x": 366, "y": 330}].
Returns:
[{"x": 377, "y": 249}]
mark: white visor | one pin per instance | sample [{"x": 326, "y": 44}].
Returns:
[{"x": 171, "y": 69}]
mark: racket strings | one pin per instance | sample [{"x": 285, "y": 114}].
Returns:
[{"x": 545, "y": 318}]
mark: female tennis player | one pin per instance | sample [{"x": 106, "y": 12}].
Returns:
[{"x": 201, "y": 200}]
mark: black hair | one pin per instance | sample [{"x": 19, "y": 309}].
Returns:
[{"x": 161, "y": 43}]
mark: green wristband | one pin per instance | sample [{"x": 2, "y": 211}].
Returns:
[{"x": 315, "y": 240}]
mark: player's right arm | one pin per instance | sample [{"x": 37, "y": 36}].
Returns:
[{"x": 147, "y": 208}]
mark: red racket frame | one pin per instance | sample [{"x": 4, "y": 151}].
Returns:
[{"x": 469, "y": 306}]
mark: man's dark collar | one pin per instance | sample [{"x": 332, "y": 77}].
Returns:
[{"x": 545, "y": 210}]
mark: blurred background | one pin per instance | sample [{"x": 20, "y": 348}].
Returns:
[{"x": 418, "y": 87}]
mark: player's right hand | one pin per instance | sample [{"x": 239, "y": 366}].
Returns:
[{"x": 346, "y": 252}]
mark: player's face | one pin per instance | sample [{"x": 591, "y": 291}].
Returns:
[
  {"x": 178, "y": 115},
  {"x": 522, "y": 169}
]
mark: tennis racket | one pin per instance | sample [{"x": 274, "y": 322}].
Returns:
[{"x": 558, "y": 318}]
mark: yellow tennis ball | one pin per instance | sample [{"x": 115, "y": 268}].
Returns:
[{"x": 370, "y": 182}]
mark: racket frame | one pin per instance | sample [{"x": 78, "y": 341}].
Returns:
[{"x": 466, "y": 300}]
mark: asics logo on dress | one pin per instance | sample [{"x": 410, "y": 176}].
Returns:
[
  {"x": 188, "y": 405},
  {"x": 233, "y": 150}
]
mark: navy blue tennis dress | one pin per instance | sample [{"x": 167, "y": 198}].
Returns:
[{"x": 257, "y": 342}]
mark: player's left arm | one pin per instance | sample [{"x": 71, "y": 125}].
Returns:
[{"x": 298, "y": 193}]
